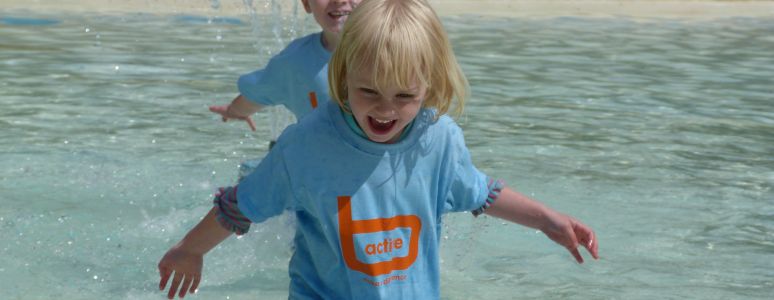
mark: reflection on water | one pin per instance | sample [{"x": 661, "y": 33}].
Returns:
[{"x": 659, "y": 134}]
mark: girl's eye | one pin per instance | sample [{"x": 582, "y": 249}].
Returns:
[
  {"x": 368, "y": 91},
  {"x": 405, "y": 97}
]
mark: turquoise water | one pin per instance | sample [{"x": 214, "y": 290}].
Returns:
[{"x": 657, "y": 133}]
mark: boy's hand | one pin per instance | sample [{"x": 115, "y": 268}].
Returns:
[
  {"x": 187, "y": 269},
  {"x": 222, "y": 110},
  {"x": 569, "y": 232}
]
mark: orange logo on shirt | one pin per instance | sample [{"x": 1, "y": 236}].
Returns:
[
  {"x": 348, "y": 228},
  {"x": 313, "y": 99}
]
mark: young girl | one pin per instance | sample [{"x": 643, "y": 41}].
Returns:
[{"x": 386, "y": 164}]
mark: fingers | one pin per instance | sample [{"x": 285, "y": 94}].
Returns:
[
  {"x": 219, "y": 109},
  {"x": 222, "y": 110},
  {"x": 592, "y": 245},
  {"x": 175, "y": 284},
  {"x": 571, "y": 243},
  {"x": 164, "y": 273},
  {"x": 587, "y": 238},
  {"x": 576, "y": 254},
  {"x": 189, "y": 283},
  {"x": 186, "y": 285},
  {"x": 250, "y": 123},
  {"x": 195, "y": 284}
]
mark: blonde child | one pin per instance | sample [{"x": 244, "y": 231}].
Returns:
[{"x": 387, "y": 164}]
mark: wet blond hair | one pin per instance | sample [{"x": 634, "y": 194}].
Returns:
[{"x": 399, "y": 41}]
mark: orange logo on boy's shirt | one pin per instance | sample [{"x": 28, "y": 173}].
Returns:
[
  {"x": 348, "y": 228},
  {"x": 313, "y": 99}
]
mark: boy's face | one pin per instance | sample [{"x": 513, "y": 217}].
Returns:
[
  {"x": 383, "y": 114},
  {"x": 330, "y": 14}
]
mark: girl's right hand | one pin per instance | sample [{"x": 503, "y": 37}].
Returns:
[{"x": 187, "y": 269}]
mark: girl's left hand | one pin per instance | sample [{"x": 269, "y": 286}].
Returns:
[{"x": 569, "y": 232}]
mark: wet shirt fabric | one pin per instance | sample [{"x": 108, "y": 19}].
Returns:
[
  {"x": 296, "y": 78},
  {"x": 368, "y": 214}
]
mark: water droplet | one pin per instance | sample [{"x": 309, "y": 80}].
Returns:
[
  {"x": 87, "y": 29},
  {"x": 182, "y": 59},
  {"x": 117, "y": 67},
  {"x": 96, "y": 277}
]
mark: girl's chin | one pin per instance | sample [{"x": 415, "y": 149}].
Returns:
[{"x": 381, "y": 138}]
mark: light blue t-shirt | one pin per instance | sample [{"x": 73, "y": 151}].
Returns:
[
  {"x": 291, "y": 78},
  {"x": 368, "y": 214}
]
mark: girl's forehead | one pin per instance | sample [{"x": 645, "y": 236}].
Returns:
[{"x": 382, "y": 80}]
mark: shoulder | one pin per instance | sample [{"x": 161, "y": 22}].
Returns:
[
  {"x": 299, "y": 46},
  {"x": 443, "y": 127},
  {"x": 313, "y": 126}
]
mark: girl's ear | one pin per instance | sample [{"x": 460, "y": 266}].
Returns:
[{"x": 307, "y": 8}]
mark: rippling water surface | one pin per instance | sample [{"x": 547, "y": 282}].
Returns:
[{"x": 657, "y": 133}]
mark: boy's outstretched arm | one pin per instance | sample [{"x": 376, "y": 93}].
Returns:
[
  {"x": 185, "y": 259},
  {"x": 561, "y": 228},
  {"x": 239, "y": 108}
]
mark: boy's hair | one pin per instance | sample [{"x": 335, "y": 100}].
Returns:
[{"x": 399, "y": 41}]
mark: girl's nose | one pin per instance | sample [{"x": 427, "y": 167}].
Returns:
[{"x": 386, "y": 107}]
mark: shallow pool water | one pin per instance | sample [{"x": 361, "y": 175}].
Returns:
[{"x": 657, "y": 133}]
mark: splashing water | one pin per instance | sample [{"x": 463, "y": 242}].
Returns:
[{"x": 656, "y": 133}]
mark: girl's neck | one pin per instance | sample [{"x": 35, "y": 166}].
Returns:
[{"x": 330, "y": 40}]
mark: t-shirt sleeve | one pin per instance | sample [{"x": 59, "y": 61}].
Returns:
[
  {"x": 468, "y": 186},
  {"x": 266, "y": 192},
  {"x": 264, "y": 86}
]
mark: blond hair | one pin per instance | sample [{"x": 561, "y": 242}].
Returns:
[{"x": 399, "y": 41}]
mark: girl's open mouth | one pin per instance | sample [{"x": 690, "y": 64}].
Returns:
[{"x": 381, "y": 126}]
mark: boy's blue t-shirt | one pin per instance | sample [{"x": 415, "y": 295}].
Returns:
[
  {"x": 297, "y": 77},
  {"x": 369, "y": 214}
]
